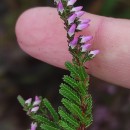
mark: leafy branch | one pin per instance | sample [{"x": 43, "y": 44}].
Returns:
[{"x": 76, "y": 110}]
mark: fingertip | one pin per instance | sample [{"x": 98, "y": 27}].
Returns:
[{"x": 38, "y": 35}]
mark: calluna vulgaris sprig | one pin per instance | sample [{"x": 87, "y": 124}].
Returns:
[{"x": 76, "y": 112}]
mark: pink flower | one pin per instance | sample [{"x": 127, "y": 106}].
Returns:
[
  {"x": 35, "y": 109},
  {"x": 72, "y": 30},
  {"x": 80, "y": 13},
  {"x": 82, "y": 26},
  {"x": 71, "y": 19},
  {"x": 85, "y": 47},
  {"x": 28, "y": 101},
  {"x": 60, "y": 7},
  {"x": 37, "y": 101},
  {"x": 75, "y": 9},
  {"x": 85, "y": 39},
  {"x": 71, "y": 2},
  {"x": 94, "y": 53},
  {"x": 33, "y": 126},
  {"x": 73, "y": 43}
]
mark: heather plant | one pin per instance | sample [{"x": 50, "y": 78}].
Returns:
[{"x": 76, "y": 110}]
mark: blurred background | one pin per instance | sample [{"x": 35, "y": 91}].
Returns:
[{"x": 24, "y": 75}]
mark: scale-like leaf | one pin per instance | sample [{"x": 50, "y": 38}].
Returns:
[
  {"x": 70, "y": 94},
  {"x": 73, "y": 108},
  {"x": 82, "y": 73},
  {"x": 48, "y": 127},
  {"x": 69, "y": 118},
  {"x": 82, "y": 88},
  {"x": 44, "y": 120},
  {"x": 72, "y": 69},
  {"x": 21, "y": 100},
  {"x": 51, "y": 110},
  {"x": 88, "y": 121},
  {"x": 65, "y": 125},
  {"x": 68, "y": 106},
  {"x": 72, "y": 82},
  {"x": 78, "y": 112},
  {"x": 89, "y": 104}
]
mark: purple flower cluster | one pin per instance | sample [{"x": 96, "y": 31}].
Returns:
[
  {"x": 33, "y": 108},
  {"x": 34, "y": 105},
  {"x": 75, "y": 24}
]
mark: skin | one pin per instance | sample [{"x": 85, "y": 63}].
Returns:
[{"x": 40, "y": 33}]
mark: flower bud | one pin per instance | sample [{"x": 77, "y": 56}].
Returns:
[
  {"x": 72, "y": 30},
  {"x": 82, "y": 26},
  {"x": 80, "y": 13},
  {"x": 94, "y": 53},
  {"x": 71, "y": 19},
  {"x": 71, "y": 2},
  {"x": 85, "y": 39},
  {"x": 35, "y": 109},
  {"x": 60, "y": 7},
  {"x": 33, "y": 126},
  {"x": 73, "y": 43},
  {"x": 75, "y": 9},
  {"x": 28, "y": 101},
  {"x": 37, "y": 101},
  {"x": 85, "y": 47}
]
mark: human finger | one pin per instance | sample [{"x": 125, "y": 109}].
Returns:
[{"x": 41, "y": 34}]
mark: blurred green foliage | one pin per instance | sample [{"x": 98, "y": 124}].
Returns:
[{"x": 116, "y": 8}]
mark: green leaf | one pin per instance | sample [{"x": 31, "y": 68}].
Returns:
[
  {"x": 67, "y": 104},
  {"x": 82, "y": 73},
  {"x": 44, "y": 120},
  {"x": 69, "y": 118},
  {"x": 21, "y": 100},
  {"x": 88, "y": 102},
  {"x": 73, "y": 108},
  {"x": 72, "y": 69},
  {"x": 78, "y": 112},
  {"x": 51, "y": 110},
  {"x": 65, "y": 125},
  {"x": 88, "y": 121},
  {"x": 72, "y": 82},
  {"x": 48, "y": 127},
  {"x": 82, "y": 88},
  {"x": 70, "y": 94}
]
